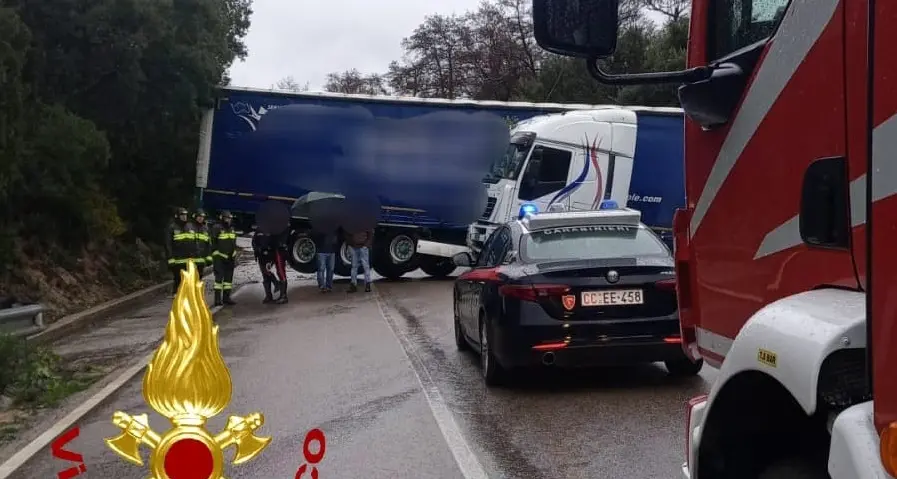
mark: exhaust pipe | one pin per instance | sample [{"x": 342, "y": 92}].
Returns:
[{"x": 548, "y": 358}]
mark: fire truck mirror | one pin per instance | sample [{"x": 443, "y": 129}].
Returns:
[
  {"x": 824, "y": 213},
  {"x": 579, "y": 28}
]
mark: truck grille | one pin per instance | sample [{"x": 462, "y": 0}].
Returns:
[{"x": 490, "y": 205}]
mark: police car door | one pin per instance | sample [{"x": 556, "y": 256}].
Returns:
[
  {"x": 490, "y": 259},
  {"x": 545, "y": 179}
]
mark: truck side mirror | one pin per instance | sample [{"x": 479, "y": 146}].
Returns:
[{"x": 580, "y": 28}]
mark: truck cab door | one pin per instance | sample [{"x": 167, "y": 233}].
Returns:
[
  {"x": 881, "y": 223},
  {"x": 544, "y": 180},
  {"x": 754, "y": 129}
]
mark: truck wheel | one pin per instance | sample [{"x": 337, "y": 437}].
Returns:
[
  {"x": 342, "y": 265},
  {"x": 400, "y": 248},
  {"x": 436, "y": 266},
  {"x": 302, "y": 257},
  {"x": 683, "y": 367},
  {"x": 387, "y": 269},
  {"x": 794, "y": 468}
]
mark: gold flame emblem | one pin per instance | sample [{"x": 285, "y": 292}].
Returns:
[{"x": 188, "y": 382}]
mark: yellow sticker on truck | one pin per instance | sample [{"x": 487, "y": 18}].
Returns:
[{"x": 766, "y": 357}]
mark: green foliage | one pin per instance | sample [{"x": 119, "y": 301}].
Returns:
[
  {"x": 100, "y": 102},
  {"x": 34, "y": 376},
  {"x": 642, "y": 47}
]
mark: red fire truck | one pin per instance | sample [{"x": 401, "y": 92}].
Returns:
[{"x": 787, "y": 248}]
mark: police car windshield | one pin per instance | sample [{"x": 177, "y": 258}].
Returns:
[{"x": 589, "y": 242}]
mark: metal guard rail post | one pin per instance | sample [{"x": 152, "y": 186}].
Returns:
[{"x": 22, "y": 320}]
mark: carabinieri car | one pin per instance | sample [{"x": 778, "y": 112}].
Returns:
[{"x": 570, "y": 289}]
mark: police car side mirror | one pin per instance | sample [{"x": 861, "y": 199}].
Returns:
[{"x": 463, "y": 260}]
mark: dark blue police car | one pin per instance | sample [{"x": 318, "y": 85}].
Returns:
[{"x": 570, "y": 289}]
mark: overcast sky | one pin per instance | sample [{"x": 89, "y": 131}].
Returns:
[{"x": 307, "y": 39}]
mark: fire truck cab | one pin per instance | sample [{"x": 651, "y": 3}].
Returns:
[{"x": 786, "y": 250}]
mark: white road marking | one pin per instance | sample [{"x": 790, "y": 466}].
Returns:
[
  {"x": 40, "y": 442},
  {"x": 464, "y": 456}
]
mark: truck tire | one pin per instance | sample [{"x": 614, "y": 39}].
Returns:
[
  {"x": 394, "y": 254},
  {"x": 342, "y": 266},
  {"x": 794, "y": 468},
  {"x": 684, "y": 366},
  {"x": 436, "y": 266},
  {"x": 386, "y": 268},
  {"x": 302, "y": 252}
]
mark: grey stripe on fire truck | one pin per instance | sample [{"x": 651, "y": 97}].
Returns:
[
  {"x": 801, "y": 27},
  {"x": 884, "y": 147},
  {"x": 715, "y": 343}
]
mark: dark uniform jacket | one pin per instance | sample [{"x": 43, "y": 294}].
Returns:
[
  {"x": 224, "y": 242},
  {"x": 180, "y": 242},
  {"x": 360, "y": 239},
  {"x": 203, "y": 248}
]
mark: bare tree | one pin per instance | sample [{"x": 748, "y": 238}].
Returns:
[
  {"x": 290, "y": 84},
  {"x": 673, "y": 9},
  {"x": 355, "y": 82}
]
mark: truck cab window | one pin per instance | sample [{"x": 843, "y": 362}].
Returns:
[
  {"x": 739, "y": 23},
  {"x": 546, "y": 172}
]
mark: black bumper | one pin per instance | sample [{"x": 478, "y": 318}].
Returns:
[{"x": 514, "y": 347}]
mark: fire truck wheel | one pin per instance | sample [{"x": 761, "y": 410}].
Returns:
[
  {"x": 684, "y": 366},
  {"x": 793, "y": 468}
]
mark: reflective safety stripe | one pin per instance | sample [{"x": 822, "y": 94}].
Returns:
[
  {"x": 208, "y": 259},
  {"x": 224, "y": 255},
  {"x": 199, "y": 260},
  {"x": 219, "y": 286},
  {"x": 222, "y": 236},
  {"x": 202, "y": 237},
  {"x": 224, "y": 286},
  {"x": 184, "y": 236},
  {"x": 178, "y": 260}
]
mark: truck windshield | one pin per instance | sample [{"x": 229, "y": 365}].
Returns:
[{"x": 508, "y": 166}]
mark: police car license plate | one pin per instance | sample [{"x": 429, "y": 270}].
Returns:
[{"x": 613, "y": 297}]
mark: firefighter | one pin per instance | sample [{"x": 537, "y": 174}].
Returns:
[
  {"x": 264, "y": 256},
  {"x": 203, "y": 245},
  {"x": 224, "y": 253},
  {"x": 180, "y": 243}
]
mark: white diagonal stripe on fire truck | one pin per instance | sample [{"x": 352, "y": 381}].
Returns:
[
  {"x": 884, "y": 148},
  {"x": 802, "y": 26}
]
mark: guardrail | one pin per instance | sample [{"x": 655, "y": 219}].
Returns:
[{"x": 22, "y": 320}]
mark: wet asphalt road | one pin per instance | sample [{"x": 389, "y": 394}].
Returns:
[{"x": 379, "y": 374}]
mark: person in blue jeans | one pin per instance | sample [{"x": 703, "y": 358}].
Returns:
[
  {"x": 325, "y": 245},
  {"x": 360, "y": 244}
]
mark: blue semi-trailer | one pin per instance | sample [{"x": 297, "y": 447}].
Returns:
[{"x": 261, "y": 145}]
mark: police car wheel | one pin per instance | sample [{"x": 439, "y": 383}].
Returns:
[
  {"x": 460, "y": 339},
  {"x": 493, "y": 373},
  {"x": 683, "y": 367}
]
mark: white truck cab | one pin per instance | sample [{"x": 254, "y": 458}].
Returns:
[{"x": 576, "y": 159}]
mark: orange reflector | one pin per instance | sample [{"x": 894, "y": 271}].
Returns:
[
  {"x": 549, "y": 346},
  {"x": 889, "y": 448},
  {"x": 673, "y": 340}
]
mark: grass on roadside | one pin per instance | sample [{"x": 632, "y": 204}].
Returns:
[{"x": 32, "y": 377}]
